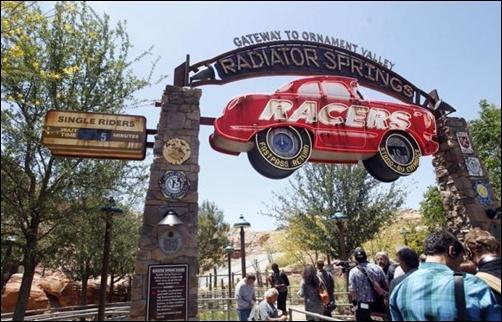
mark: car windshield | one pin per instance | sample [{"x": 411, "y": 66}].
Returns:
[{"x": 284, "y": 88}]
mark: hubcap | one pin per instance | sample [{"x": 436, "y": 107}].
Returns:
[
  {"x": 283, "y": 142},
  {"x": 400, "y": 149}
]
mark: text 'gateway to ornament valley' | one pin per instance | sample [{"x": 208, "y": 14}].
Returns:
[{"x": 278, "y": 35}]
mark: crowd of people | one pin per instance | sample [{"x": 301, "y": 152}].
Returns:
[{"x": 450, "y": 281}]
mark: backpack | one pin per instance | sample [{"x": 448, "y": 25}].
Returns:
[{"x": 491, "y": 280}]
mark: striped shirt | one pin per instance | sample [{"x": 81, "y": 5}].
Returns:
[{"x": 429, "y": 295}]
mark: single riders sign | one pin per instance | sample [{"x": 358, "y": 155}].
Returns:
[{"x": 95, "y": 135}]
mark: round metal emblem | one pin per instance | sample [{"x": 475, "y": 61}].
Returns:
[
  {"x": 176, "y": 151},
  {"x": 170, "y": 242},
  {"x": 174, "y": 184},
  {"x": 473, "y": 167}
]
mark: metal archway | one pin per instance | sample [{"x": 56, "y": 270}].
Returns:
[{"x": 305, "y": 58}]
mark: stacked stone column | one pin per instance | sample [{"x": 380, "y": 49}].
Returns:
[
  {"x": 464, "y": 206},
  {"x": 179, "y": 118}
]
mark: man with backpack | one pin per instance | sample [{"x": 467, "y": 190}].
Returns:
[{"x": 367, "y": 287}]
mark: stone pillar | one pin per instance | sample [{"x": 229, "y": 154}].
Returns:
[
  {"x": 463, "y": 180},
  {"x": 179, "y": 119}
]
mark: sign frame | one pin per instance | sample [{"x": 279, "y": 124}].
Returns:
[
  {"x": 186, "y": 286},
  {"x": 96, "y": 152}
]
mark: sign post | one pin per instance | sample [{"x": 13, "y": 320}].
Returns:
[{"x": 165, "y": 281}]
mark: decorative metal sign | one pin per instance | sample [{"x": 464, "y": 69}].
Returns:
[
  {"x": 483, "y": 193},
  {"x": 473, "y": 166},
  {"x": 176, "y": 151},
  {"x": 324, "y": 119},
  {"x": 297, "y": 57},
  {"x": 464, "y": 142},
  {"x": 174, "y": 184},
  {"x": 167, "y": 293},
  {"x": 170, "y": 242},
  {"x": 95, "y": 135}
]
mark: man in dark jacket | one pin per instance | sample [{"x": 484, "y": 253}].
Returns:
[
  {"x": 408, "y": 260},
  {"x": 279, "y": 280},
  {"x": 383, "y": 260},
  {"x": 327, "y": 281}
]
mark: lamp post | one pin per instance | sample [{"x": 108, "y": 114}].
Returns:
[
  {"x": 341, "y": 221},
  {"x": 109, "y": 211},
  {"x": 403, "y": 231},
  {"x": 242, "y": 223},
  {"x": 229, "y": 250}
]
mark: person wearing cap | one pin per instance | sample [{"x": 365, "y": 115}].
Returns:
[{"x": 363, "y": 279}]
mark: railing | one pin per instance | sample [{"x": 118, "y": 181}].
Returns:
[
  {"x": 113, "y": 312},
  {"x": 318, "y": 316},
  {"x": 212, "y": 306}
]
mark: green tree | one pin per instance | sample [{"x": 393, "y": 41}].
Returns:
[
  {"x": 432, "y": 209},
  {"x": 80, "y": 256},
  {"x": 485, "y": 133},
  {"x": 72, "y": 60},
  {"x": 317, "y": 191},
  {"x": 212, "y": 236}
]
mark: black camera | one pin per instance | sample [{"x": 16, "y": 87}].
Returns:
[
  {"x": 493, "y": 213},
  {"x": 346, "y": 265}
]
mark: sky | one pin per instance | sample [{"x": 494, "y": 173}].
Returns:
[{"x": 451, "y": 47}]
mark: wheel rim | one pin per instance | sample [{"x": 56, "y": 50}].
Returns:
[
  {"x": 400, "y": 149},
  {"x": 284, "y": 142}
]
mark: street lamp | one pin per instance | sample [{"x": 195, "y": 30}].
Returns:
[
  {"x": 242, "y": 223},
  {"x": 403, "y": 231},
  {"x": 170, "y": 219},
  {"x": 229, "y": 250},
  {"x": 109, "y": 210},
  {"x": 341, "y": 221}
]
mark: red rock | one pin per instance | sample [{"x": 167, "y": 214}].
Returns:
[
  {"x": 70, "y": 295},
  {"x": 53, "y": 285},
  {"x": 37, "y": 300}
]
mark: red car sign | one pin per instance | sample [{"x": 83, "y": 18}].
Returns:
[{"x": 325, "y": 119}]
